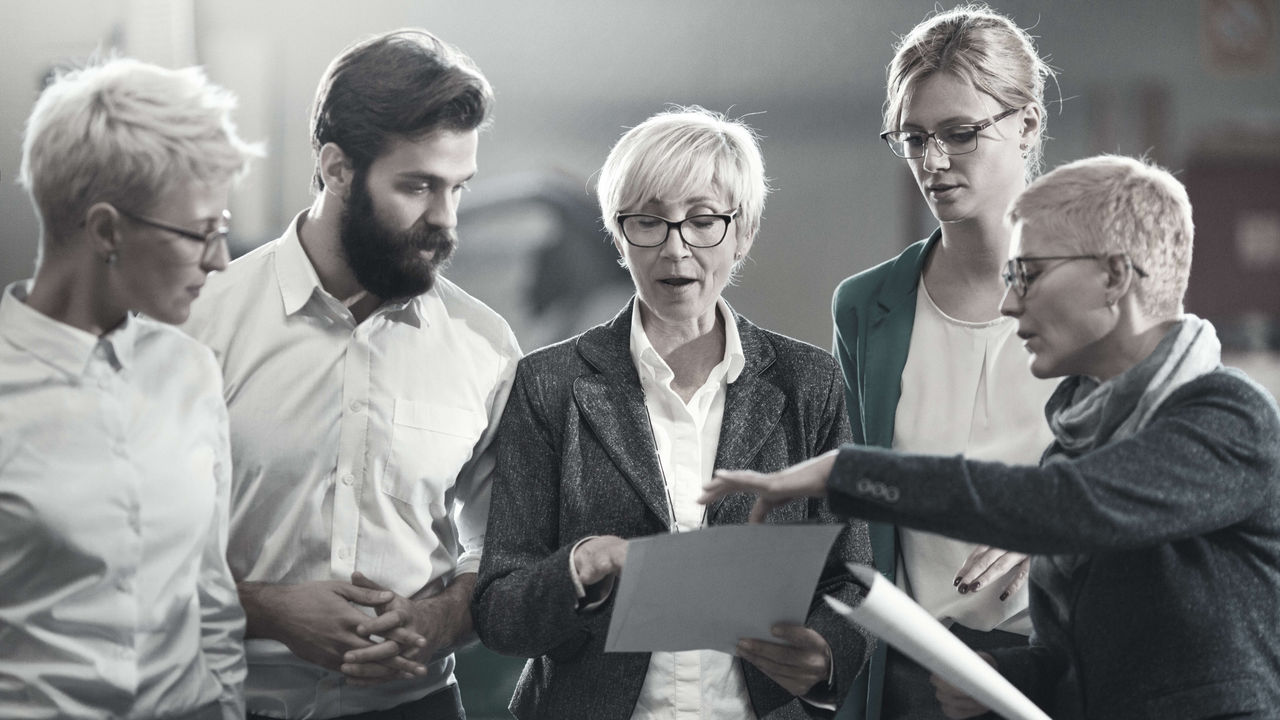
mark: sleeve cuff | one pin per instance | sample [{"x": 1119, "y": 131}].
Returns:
[{"x": 589, "y": 598}]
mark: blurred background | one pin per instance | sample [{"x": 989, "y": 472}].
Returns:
[{"x": 1194, "y": 85}]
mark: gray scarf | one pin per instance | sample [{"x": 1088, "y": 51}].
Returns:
[{"x": 1085, "y": 415}]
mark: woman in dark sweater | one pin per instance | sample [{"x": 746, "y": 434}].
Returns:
[{"x": 1154, "y": 516}]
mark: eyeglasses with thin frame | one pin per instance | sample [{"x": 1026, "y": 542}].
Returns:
[
  {"x": 1015, "y": 270},
  {"x": 952, "y": 140},
  {"x": 705, "y": 230},
  {"x": 210, "y": 239}
]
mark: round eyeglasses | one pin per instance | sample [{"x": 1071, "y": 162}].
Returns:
[
  {"x": 952, "y": 140},
  {"x": 700, "y": 231},
  {"x": 1017, "y": 278},
  {"x": 209, "y": 239}
]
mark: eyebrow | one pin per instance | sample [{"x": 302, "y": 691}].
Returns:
[
  {"x": 946, "y": 123},
  {"x": 432, "y": 177}
]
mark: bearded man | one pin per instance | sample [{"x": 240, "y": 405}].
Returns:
[{"x": 364, "y": 390}]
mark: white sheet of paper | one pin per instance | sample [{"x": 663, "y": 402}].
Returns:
[
  {"x": 895, "y": 618},
  {"x": 705, "y": 590}
]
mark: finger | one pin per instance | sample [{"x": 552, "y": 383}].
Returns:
[
  {"x": 761, "y": 510},
  {"x": 1020, "y": 576},
  {"x": 406, "y": 638},
  {"x": 1002, "y": 566},
  {"x": 359, "y": 579},
  {"x": 369, "y": 671},
  {"x": 363, "y": 596},
  {"x": 383, "y": 624},
  {"x": 971, "y": 564},
  {"x": 378, "y": 652},
  {"x": 796, "y": 680}
]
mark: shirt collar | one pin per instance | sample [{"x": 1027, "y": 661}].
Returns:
[
  {"x": 299, "y": 281},
  {"x": 651, "y": 366},
  {"x": 67, "y": 348}
]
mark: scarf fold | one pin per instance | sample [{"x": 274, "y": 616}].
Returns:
[{"x": 1085, "y": 415}]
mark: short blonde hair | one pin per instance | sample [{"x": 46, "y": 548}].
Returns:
[
  {"x": 122, "y": 131},
  {"x": 1115, "y": 204},
  {"x": 980, "y": 46},
  {"x": 680, "y": 152}
]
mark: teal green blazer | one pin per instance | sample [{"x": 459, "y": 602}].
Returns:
[{"x": 874, "y": 312}]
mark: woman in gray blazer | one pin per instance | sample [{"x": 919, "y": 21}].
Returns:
[
  {"x": 1155, "y": 513},
  {"x": 609, "y": 436}
]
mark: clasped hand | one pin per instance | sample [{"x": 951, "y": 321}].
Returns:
[{"x": 320, "y": 623}]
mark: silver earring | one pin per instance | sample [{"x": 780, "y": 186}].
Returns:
[{"x": 111, "y": 258}]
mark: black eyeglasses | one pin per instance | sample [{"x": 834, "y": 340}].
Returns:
[
  {"x": 952, "y": 140},
  {"x": 700, "y": 231},
  {"x": 210, "y": 239},
  {"x": 1015, "y": 274}
]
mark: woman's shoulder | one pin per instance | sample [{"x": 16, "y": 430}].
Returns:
[
  {"x": 860, "y": 289},
  {"x": 1227, "y": 401}
]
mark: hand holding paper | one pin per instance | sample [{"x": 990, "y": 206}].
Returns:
[{"x": 892, "y": 616}]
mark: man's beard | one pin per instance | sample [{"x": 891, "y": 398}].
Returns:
[{"x": 390, "y": 263}]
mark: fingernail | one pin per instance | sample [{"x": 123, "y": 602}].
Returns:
[
  {"x": 973, "y": 586},
  {"x": 964, "y": 589},
  {"x": 1004, "y": 596},
  {"x": 957, "y": 582}
]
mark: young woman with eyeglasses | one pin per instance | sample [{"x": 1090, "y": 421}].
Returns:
[{"x": 929, "y": 364}]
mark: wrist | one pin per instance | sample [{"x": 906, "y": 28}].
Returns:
[{"x": 257, "y": 599}]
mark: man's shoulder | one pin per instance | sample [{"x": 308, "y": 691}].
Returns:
[{"x": 462, "y": 306}]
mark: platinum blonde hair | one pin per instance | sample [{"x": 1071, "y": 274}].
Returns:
[
  {"x": 978, "y": 45},
  {"x": 682, "y": 152},
  {"x": 1114, "y": 204},
  {"x": 122, "y": 131}
]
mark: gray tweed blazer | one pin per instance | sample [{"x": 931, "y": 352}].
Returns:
[{"x": 576, "y": 458}]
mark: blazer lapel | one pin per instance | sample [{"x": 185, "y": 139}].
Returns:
[
  {"x": 612, "y": 404},
  {"x": 888, "y": 339},
  {"x": 752, "y": 406}
]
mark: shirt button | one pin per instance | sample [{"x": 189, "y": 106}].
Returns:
[
  {"x": 344, "y": 554},
  {"x": 356, "y": 405},
  {"x": 348, "y": 479}
]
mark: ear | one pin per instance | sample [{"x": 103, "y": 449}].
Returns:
[
  {"x": 620, "y": 245},
  {"x": 101, "y": 221},
  {"x": 1120, "y": 276},
  {"x": 336, "y": 169},
  {"x": 744, "y": 238},
  {"x": 1032, "y": 122}
]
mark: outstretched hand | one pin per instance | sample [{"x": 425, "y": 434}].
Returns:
[{"x": 806, "y": 479}]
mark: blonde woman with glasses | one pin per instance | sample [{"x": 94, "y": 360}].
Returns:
[
  {"x": 115, "y": 595},
  {"x": 929, "y": 364}
]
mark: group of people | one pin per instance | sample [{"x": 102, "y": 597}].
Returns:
[{"x": 338, "y": 467}]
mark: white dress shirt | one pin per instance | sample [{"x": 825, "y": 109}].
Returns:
[
  {"x": 698, "y": 684},
  {"x": 356, "y": 447},
  {"x": 966, "y": 389},
  {"x": 115, "y": 596}
]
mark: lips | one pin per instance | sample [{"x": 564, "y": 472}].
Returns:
[{"x": 677, "y": 281}]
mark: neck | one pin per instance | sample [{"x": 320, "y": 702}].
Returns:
[
  {"x": 75, "y": 289},
  {"x": 1135, "y": 338},
  {"x": 691, "y": 349},
  {"x": 319, "y": 235},
  {"x": 963, "y": 271}
]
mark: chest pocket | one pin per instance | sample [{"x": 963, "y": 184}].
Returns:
[{"x": 430, "y": 443}]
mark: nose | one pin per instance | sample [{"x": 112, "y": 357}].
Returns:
[
  {"x": 1011, "y": 303},
  {"x": 442, "y": 212},
  {"x": 935, "y": 160},
  {"x": 217, "y": 257},
  {"x": 673, "y": 246}
]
